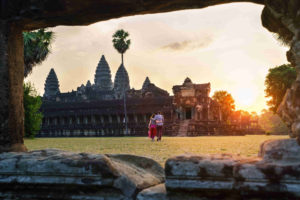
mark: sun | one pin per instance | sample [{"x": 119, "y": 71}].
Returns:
[{"x": 245, "y": 98}]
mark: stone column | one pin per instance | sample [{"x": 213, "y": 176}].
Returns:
[
  {"x": 193, "y": 113},
  {"x": 220, "y": 113},
  {"x": 208, "y": 112},
  {"x": 102, "y": 119},
  {"x": 93, "y": 119},
  {"x": 289, "y": 109},
  {"x": 135, "y": 118},
  {"x": 11, "y": 87}
]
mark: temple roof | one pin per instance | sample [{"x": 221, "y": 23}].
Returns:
[
  {"x": 187, "y": 81},
  {"x": 88, "y": 83},
  {"x": 146, "y": 83},
  {"x": 203, "y": 86},
  {"x": 103, "y": 75},
  {"x": 135, "y": 105},
  {"x": 51, "y": 84},
  {"x": 153, "y": 90}
]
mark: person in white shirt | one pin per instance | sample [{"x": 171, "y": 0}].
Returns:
[{"x": 159, "y": 118}]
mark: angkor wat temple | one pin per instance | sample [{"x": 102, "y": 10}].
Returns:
[{"x": 98, "y": 109}]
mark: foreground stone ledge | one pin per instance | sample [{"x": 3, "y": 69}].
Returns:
[
  {"x": 55, "y": 174},
  {"x": 275, "y": 175}
]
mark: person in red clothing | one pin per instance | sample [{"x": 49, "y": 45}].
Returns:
[{"x": 152, "y": 127}]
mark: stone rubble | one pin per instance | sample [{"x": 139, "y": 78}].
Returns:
[
  {"x": 55, "y": 174},
  {"x": 274, "y": 175},
  {"x": 42, "y": 174}
]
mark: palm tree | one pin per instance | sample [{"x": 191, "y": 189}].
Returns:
[
  {"x": 121, "y": 44},
  {"x": 36, "y": 48}
]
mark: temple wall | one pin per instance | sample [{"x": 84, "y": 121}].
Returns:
[
  {"x": 101, "y": 125},
  {"x": 112, "y": 125},
  {"x": 89, "y": 120}
]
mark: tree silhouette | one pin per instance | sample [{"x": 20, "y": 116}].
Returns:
[
  {"x": 120, "y": 42},
  {"x": 226, "y": 103},
  {"x": 278, "y": 80},
  {"x": 33, "y": 116},
  {"x": 36, "y": 48}
]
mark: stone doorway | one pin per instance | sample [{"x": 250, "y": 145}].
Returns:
[{"x": 188, "y": 113}]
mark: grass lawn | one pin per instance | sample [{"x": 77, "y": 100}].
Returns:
[{"x": 160, "y": 151}]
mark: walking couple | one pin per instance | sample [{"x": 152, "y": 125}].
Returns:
[{"x": 156, "y": 126}]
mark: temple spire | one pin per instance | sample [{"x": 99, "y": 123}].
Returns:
[
  {"x": 187, "y": 81},
  {"x": 146, "y": 83},
  {"x": 88, "y": 83},
  {"x": 103, "y": 75},
  {"x": 121, "y": 83},
  {"x": 51, "y": 85}
]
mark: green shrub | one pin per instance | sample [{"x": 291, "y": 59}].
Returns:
[{"x": 33, "y": 117}]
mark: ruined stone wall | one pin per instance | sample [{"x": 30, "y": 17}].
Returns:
[
  {"x": 102, "y": 118},
  {"x": 53, "y": 174},
  {"x": 283, "y": 18}
]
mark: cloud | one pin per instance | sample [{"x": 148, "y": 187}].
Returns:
[{"x": 188, "y": 44}]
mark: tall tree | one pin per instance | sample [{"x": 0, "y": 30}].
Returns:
[
  {"x": 36, "y": 48},
  {"x": 278, "y": 80},
  {"x": 121, "y": 44},
  {"x": 245, "y": 119},
  {"x": 226, "y": 103},
  {"x": 33, "y": 117}
]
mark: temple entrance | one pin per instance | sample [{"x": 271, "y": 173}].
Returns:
[{"x": 188, "y": 113}]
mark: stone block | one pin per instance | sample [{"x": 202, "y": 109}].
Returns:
[
  {"x": 280, "y": 150},
  {"x": 157, "y": 192},
  {"x": 274, "y": 175},
  {"x": 55, "y": 174}
]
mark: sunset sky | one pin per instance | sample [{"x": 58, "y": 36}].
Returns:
[{"x": 224, "y": 45}]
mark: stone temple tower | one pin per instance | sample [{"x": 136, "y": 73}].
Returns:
[
  {"x": 51, "y": 85},
  {"x": 121, "y": 83},
  {"x": 103, "y": 75},
  {"x": 146, "y": 83}
]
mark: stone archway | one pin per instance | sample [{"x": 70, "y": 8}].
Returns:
[{"x": 279, "y": 16}]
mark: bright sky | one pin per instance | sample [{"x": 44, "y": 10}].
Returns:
[{"x": 225, "y": 45}]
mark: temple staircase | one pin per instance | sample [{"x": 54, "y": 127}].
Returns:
[{"x": 183, "y": 128}]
